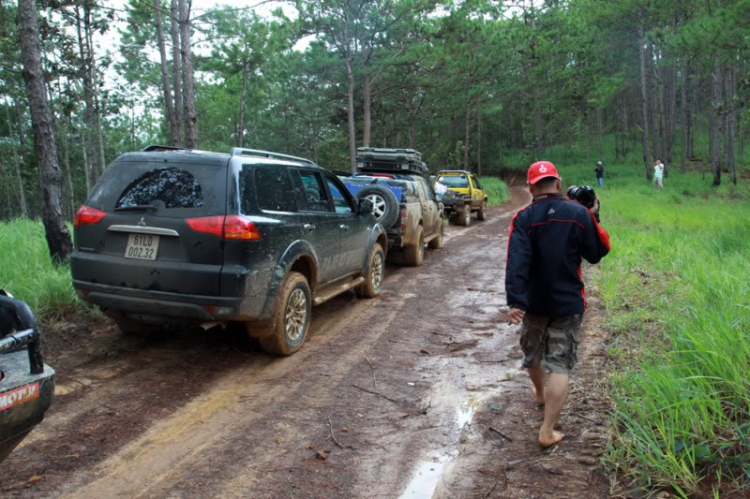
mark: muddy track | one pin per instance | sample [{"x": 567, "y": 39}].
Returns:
[{"x": 377, "y": 403}]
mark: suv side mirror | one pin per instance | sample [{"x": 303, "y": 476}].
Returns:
[{"x": 365, "y": 206}]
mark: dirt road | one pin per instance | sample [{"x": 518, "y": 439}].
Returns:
[{"x": 416, "y": 394}]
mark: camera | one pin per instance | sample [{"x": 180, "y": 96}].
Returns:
[{"x": 584, "y": 195}]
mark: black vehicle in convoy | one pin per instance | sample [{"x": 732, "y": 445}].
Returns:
[
  {"x": 27, "y": 384},
  {"x": 174, "y": 236}
]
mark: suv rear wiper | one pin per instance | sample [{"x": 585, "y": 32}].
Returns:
[{"x": 137, "y": 207}]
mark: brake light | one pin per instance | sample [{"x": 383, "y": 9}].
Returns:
[
  {"x": 231, "y": 227},
  {"x": 404, "y": 218},
  {"x": 381, "y": 175},
  {"x": 87, "y": 215},
  {"x": 239, "y": 228}
]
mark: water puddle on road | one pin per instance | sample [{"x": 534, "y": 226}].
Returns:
[
  {"x": 427, "y": 477},
  {"x": 428, "y": 474},
  {"x": 465, "y": 411}
]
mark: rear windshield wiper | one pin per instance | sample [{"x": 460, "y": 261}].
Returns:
[{"x": 137, "y": 207}]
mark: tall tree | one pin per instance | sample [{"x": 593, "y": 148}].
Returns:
[
  {"x": 50, "y": 177},
  {"x": 188, "y": 82}
]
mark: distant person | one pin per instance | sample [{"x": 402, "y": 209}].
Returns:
[
  {"x": 599, "y": 173},
  {"x": 658, "y": 174},
  {"x": 544, "y": 288}
]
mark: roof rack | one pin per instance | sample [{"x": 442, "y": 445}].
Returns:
[
  {"x": 454, "y": 171},
  {"x": 241, "y": 151},
  {"x": 155, "y": 147}
]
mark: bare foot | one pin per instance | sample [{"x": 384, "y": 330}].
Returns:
[
  {"x": 539, "y": 398},
  {"x": 551, "y": 439}
]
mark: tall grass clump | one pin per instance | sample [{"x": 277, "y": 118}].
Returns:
[
  {"x": 497, "y": 191},
  {"x": 27, "y": 272},
  {"x": 677, "y": 291}
]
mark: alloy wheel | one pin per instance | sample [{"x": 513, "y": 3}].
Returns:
[
  {"x": 378, "y": 205},
  {"x": 296, "y": 316}
]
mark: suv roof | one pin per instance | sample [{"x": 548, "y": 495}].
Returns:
[
  {"x": 464, "y": 172},
  {"x": 218, "y": 158}
]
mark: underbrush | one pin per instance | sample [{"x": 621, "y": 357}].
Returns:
[
  {"x": 497, "y": 191},
  {"x": 27, "y": 272},
  {"x": 677, "y": 294}
]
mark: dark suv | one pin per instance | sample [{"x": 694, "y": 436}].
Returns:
[{"x": 171, "y": 236}]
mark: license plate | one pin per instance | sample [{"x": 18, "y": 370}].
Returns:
[{"x": 142, "y": 246}]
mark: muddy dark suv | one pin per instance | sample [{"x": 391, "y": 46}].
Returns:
[{"x": 172, "y": 236}]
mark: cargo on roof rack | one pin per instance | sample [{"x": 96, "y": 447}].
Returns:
[
  {"x": 156, "y": 147},
  {"x": 241, "y": 151},
  {"x": 463, "y": 172},
  {"x": 378, "y": 159}
]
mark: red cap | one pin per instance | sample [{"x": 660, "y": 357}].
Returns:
[{"x": 540, "y": 170}]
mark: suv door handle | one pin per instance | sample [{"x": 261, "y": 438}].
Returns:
[
  {"x": 309, "y": 227},
  {"x": 344, "y": 227}
]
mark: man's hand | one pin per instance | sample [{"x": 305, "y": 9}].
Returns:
[
  {"x": 515, "y": 315},
  {"x": 595, "y": 209}
]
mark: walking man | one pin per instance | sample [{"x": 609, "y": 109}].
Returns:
[
  {"x": 599, "y": 174},
  {"x": 544, "y": 287},
  {"x": 658, "y": 174}
]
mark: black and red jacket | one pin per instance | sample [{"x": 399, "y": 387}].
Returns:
[{"x": 547, "y": 240}]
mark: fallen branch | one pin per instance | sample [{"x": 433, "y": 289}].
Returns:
[
  {"x": 333, "y": 437},
  {"x": 377, "y": 393},
  {"x": 501, "y": 434},
  {"x": 374, "y": 382}
]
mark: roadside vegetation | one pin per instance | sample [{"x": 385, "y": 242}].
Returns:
[
  {"x": 677, "y": 296},
  {"x": 28, "y": 272},
  {"x": 497, "y": 190}
]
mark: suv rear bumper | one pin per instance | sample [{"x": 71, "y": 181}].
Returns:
[{"x": 162, "y": 306}]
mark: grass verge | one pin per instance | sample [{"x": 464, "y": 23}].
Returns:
[
  {"x": 497, "y": 191},
  {"x": 677, "y": 294},
  {"x": 27, "y": 270}
]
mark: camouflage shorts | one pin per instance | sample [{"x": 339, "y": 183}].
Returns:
[{"x": 553, "y": 341}]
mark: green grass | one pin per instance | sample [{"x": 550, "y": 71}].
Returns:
[
  {"x": 27, "y": 272},
  {"x": 497, "y": 191},
  {"x": 676, "y": 287}
]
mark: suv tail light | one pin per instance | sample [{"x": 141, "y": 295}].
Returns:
[
  {"x": 230, "y": 227},
  {"x": 404, "y": 218},
  {"x": 87, "y": 215}
]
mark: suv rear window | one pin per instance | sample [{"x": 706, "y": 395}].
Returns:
[
  {"x": 172, "y": 189},
  {"x": 454, "y": 181}
]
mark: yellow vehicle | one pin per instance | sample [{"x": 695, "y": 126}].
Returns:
[{"x": 463, "y": 196}]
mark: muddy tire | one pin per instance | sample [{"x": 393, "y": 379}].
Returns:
[
  {"x": 375, "y": 270},
  {"x": 291, "y": 322},
  {"x": 464, "y": 216},
  {"x": 385, "y": 206},
  {"x": 132, "y": 326},
  {"x": 414, "y": 253},
  {"x": 482, "y": 213},
  {"x": 437, "y": 243}
]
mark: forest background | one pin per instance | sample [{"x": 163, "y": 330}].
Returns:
[{"x": 489, "y": 85}]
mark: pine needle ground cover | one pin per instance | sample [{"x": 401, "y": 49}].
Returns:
[
  {"x": 27, "y": 272},
  {"x": 676, "y": 287}
]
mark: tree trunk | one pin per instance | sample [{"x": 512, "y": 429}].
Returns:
[
  {"x": 625, "y": 127},
  {"x": 412, "y": 129},
  {"x": 729, "y": 88},
  {"x": 653, "y": 103},
  {"x": 176, "y": 72},
  {"x": 19, "y": 178},
  {"x": 50, "y": 177},
  {"x": 188, "y": 87},
  {"x": 241, "y": 130},
  {"x": 467, "y": 118},
  {"x": 672, "y": 112},
  {"x": 685, "y": 114},
  {"x": 644, "y": 96},
  {"x": 366, "y": 109},
  {"x": 87, "y": 97},
  {"x": 95, "y": 91},
  {"x": 479, "y": 135},
  {"x": 69, "y": 171},
  {"x": 350, "y": 114},
  {"x": 398, "y": 127},
  {"x": 715, "y": 121},
  {"x": 21, "y": 129},
  {"x": 600, "y": 132},
  {"x": 662, "y": 120},
  {"x": 174, "y": 128}
]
